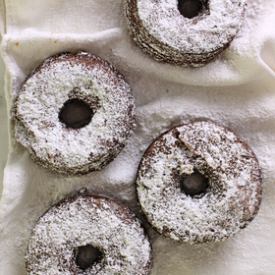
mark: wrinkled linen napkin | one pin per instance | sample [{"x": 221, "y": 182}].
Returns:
[{"x": 237, "y": 90}]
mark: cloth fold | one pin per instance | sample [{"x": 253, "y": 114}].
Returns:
[{"x": 236, "y": 90}]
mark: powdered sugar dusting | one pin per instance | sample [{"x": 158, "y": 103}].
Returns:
[
  {"x": 204, "y": 34},
  {"x": 161, "y": 30},
  {"x": 42, "y": 96},
  {"x": 88, "y": 220},
  {"x": 232, "y": 170}
]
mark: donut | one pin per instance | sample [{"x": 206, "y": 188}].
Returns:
[
  {"x": 86, "y": 234},
  {"x": 184, "y": 32},
  {"x": 199, "y": 183},
  {"x": 74, "y": 113}
]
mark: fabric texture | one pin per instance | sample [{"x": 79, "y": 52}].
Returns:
[{"x": 237, "y": 90}]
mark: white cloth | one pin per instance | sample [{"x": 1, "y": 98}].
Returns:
[{"x": 238, "y": 90}]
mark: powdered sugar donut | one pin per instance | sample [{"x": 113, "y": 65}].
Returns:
[
  {"x": 198, "y": 183},
  {"x": 184, "y": 32},
  {"x": 88, "y": 235},
  {"x": 74, "y": 113}
]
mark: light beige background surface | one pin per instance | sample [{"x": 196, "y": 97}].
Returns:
[{"x": 3, "y": 125}]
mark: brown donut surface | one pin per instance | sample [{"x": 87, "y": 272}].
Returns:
[
  {"x": 184, "y": 32},
  {"x": 86, "y": 235},
  {"x": 74, "y": 113},
  {"x": 199, "y": 182}
]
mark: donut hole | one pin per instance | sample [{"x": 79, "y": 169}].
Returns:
[
  {"x": 194, "y": 185},
  {"x": 75, "y": 113},
  {"x": 87, "y": 256},
  {"x": 191, "y": 8}
]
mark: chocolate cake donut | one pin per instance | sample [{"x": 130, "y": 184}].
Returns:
[
  {"x": 74, "y": 113},
  {"x": 88, "y": 235},
  {"x": 199, "y": 182},
  {"x": 184, "y": 32}
]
